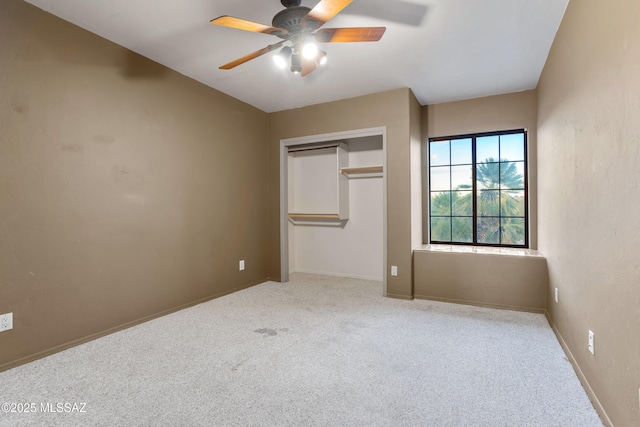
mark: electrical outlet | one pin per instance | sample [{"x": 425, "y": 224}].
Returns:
[
  {"x": 556, "y": 295},
  {"x": 591, "y": 343},
  {"x": 241, "y": 264},
  {"x": 394, "y": 270},
  {"x": 6, "y": 322}
]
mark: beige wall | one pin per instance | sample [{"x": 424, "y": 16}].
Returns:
[
  {"x": 491, "y": 280},
  {"x": 501, "y": 112},
  {"x": 390, "y": 109},
  {"x": 589, "y": 175},
  {"x": 417, "y": 172},
  {"x": 126, "y": 189}
]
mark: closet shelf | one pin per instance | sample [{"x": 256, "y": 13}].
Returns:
[
  {"x": 361, "y": 172},
  {"x": 313, "y": 216}
]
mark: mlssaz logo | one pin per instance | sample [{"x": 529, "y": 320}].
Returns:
[{"x": 63, "y": 407}]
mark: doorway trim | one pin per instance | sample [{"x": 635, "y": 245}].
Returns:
[{"x": 284, "y": 193}]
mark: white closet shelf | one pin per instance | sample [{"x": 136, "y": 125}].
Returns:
[
  {"x": 320, "y": 219},
  {"x": 362, "y": 172},
  {"x": 313, "y": 216}
]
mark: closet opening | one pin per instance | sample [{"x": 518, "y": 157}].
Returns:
[{"x": 333, "y": 205}]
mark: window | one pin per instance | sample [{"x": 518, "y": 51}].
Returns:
[{"x": 478, "y": 189}]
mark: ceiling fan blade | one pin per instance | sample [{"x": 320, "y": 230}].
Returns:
[
  {"x": 323, "y": 12},
  {"x": 251, "y": 56},
  {"x": 361, "y": 34},
  {"x": 308, "y": 66},
  {"x": 242, "y": 24}
]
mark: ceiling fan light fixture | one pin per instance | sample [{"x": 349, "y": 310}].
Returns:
[
  {"x": 296, "y": 64},
  {"x": 282, "y": 58},
  {"x": 321, "y": 57},
  {"x": 310, "y": 51}
]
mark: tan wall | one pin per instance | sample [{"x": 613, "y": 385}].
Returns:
[
  {"x": 503, "y": 281},
  {"x": 501, "y": 112},
  {"x": 589, "y": 175},
  {"x": 417, "y": 173},
  {"x": 390, "y": 109},
  {"x": 126, "y": 189}
]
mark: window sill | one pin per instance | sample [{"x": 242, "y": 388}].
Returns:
[{"x": 462, "y": 249}]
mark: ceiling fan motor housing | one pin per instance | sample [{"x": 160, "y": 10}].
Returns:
[
  {"x": 289, "y": 3},
  {"x": 290, "y": 19}
]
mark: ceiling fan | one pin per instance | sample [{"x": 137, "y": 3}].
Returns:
[{"x": 300, "y": 25}]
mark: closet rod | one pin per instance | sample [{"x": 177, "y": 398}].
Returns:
[{"x": 314, "y": 146}]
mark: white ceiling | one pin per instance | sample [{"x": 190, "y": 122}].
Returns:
[{"x": 444, "y": 50}]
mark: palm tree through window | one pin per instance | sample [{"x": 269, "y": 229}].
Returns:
[{"x": 478, "y": 189}]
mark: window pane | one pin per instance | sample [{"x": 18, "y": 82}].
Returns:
[
  {"x": 488, "y": 230},
  {"x": 441, "y": 203},
  {"x": 441, "y": 229},
  {"x": 462, "y": 203},
  {"x": 513, "y": 231},
  {"x": 439, "y": 153},
  {"x": 461, "y": 177},
  {"x": 488, "y": 202},
  {"x": 488, "y": 176},
  {"x": 512, "y": 147},
  {"x": 440, "y": 178},
  {"x": 462, "y": 230},
  {"x": 512, "y": 203},
  {"x": 477, "y": 189},
  {"x": 461, "y": 151},
  {"x": 512, "y": 175},
  {"x": 487, "y": 149}
]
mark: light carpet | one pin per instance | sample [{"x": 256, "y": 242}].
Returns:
[{"x": 317, "y": 351}]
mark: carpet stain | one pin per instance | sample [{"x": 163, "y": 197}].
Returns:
[
  {"x": 235, "y": 368},
  {"x": 270, "y": 332}
]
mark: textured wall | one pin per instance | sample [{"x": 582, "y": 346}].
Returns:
[
  {"x": 126, "y": 189},
  {"x": 390, "y": 109},
  {"x": 589, "y": 194}
]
